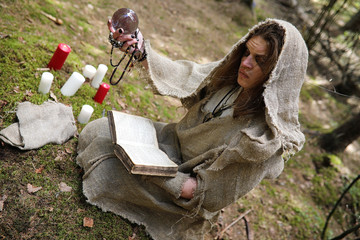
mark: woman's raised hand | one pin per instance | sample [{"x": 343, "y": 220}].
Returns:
[{"x": 127, "y": 39}]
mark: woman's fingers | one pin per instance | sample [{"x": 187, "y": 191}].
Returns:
[
  {"x": 122, "y": 37},
  {"x": 116, "y": 33},
  {"x": 128, "y": 44},
  {"x": 141, "y": 40},
  {"x": 111, "y": 28},
  {"x": 128, "y": 39}
]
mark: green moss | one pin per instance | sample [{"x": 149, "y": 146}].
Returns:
[
  {"x": 335, "y": 160},
  {"x": 163, "y": 51},
  {"x": 29, "y": 41},
  {"x": 92, "y": 50},
  {"x": 306, "y": 220},
  {"x": 260, "y": 11},
  {"x": 85, "y": 25},
  {"x": 311, "y": 91},
  {"x": 324, "y": 191},
  {"x": 271, "y": 191}
]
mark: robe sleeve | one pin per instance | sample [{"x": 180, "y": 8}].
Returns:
[
  {"x": 172, "y": 185},
  {"x": 180, "y": 78},
  {"x": 220, "y": 188},
  {"x": 226, "y": 173},
  {"x": 238, "y": 169}
]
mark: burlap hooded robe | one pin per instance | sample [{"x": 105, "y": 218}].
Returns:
[{"x": 228, "y": 156}]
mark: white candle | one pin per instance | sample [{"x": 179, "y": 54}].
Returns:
[
  {"x": 45, "y": 82},
  {"x": 72, "y": 84},
  {"x": 89, "y": 71},
  {"x": 85, "y": 114},
  {"x": 99, "y": 75}
]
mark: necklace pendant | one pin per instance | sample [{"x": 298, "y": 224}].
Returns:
[{"x": 208, "y": 117}]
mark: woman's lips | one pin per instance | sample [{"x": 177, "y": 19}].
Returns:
[{"x": 243, "y": 74}]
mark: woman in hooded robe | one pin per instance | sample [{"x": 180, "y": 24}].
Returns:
[{"x": 242, "y": 119}]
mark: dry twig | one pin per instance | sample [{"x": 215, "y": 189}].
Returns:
[
  {"x": 248, "y": 232},
  {"x": 52, "y": 18},
  {"x": 219, "y": 235}
]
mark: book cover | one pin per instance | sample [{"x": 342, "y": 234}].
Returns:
[{"x": 137, "y": 147}]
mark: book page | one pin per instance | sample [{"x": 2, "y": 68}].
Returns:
[
  {"x": 147, "y": 156},
  {"x": 134, "y": 129}
]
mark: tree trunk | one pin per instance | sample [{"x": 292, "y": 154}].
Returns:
[
  {"x": 341, "y": 137},
  {"x": 348, "y": 87},
  {"x": 248, "y": 3},
  {"x": 353, "y": 24}
]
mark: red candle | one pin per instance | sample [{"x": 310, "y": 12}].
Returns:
[
  {"x": 59, "y": 57},
  {"x": 101, "y": 92}
]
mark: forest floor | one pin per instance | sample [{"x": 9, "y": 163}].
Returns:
[{"x": 293, "y": 206}]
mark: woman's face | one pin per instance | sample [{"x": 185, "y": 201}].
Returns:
[{"x": 250, "y": 73}]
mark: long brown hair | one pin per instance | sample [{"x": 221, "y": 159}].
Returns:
[{"x": 250, "y": 101}]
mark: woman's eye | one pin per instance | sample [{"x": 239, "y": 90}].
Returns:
[
  {"x": 260, "y": 60},
  {"x": 246, "y": 53}
]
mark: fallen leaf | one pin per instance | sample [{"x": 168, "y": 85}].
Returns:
[
  {"x": 21, "y": 39},
  {"x": 133, "y": 237},
  {"x": 4, "y": 36},
  {"x": 64, "y": 188},
  {"x": 29, "y": 20},
  {"x": 52, "y": 95},
  {"x": 73, "y": 28},
  {"x": 3, "y": 103},
  {"x": 2, "y": 200},
  {"x": 32, "y": 189},
  {"x": 68, "y": 150},
  {"x": 39, "y": 170},
  {"x": 17, "y": 89},
  {"x": 28, "y": 93},
  {"x": 122, "y": 104},
  {"x": 132, "y": 109},
  {"x": 88, "y": 222},
  {"x": 80, "y": 210}
]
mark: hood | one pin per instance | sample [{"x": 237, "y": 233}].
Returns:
[
  {"x": 184, "y": 79},
  {"x": 282, "y": 89}
]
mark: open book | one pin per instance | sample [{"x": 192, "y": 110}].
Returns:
[{"x": 137, "y": 147}]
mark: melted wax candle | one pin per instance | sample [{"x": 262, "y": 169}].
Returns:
[
  {"x": 45, "y": 82},
  {"x": 101, "y": 93},
  {"x": 72, "y": 84},
  {"x": 59, "y": 57},
  {"x": 85, "y": 114},
  {"x": 99, "y": 75},
  {"x": 89, "y": 71}
]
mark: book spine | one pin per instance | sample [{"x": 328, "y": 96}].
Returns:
[
  {"x": 124, "y": 158},
  {"x": 112, "y": 126}
]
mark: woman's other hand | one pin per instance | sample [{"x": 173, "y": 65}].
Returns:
[{"x": 189, "y": 188}]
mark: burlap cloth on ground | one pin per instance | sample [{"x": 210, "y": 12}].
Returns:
[
  {"x": 39, "y": 125},
  {"x": 228, "y": 156}
]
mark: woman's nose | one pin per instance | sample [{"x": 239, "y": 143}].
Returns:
[{"x": 247, "y": 62}]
